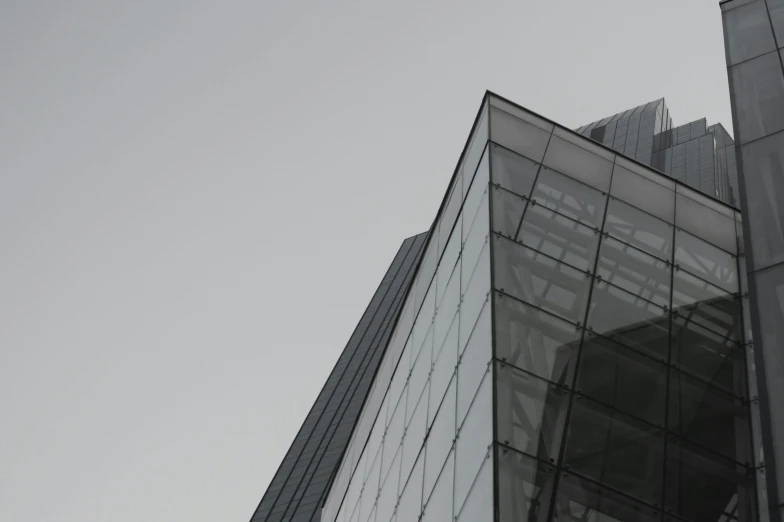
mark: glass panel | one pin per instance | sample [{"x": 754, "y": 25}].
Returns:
[
  {"x": 559, "y": 237},
  {"x": 517, "y": 135},
  {"x": 414, "y": 436},
  {"x": 776, "y": 9},
  {"x": 635, "y": 271},
  {"x": 508, "y": 210},
  {"x": 479, "y": 503},
  {"x": 474, "y": 362},
  {"x": 763, "y": 171},
  {"x": 475, "y": 150},
  {"x": 530, "y": 413},
  {"x": 709, "y": 417},
  {"x": 475, "y": 204},
  {"x": 540, "y": 280},
  {"x": 639, "y": 229},
  {"x": 474, "y": 439},
  {"x": 410, "y": 505},
  {"x": 748, "y": 33},
  {"x": 630, "y": 320},
  {"x": 423, "y": 324},
  {"x": 370, "y": 490},
  {"x": 420, "y": 372},
  {"x": 439, "y": 505},
  {"x": 396, "y": 388},
  {"x": 393, "y": 436},
  {"x": 474, "y": 244},
  {"x": 708, "y": 355},
  {"x": 700, "y": 486},
  {"x": 643, "y": 193},
  {"x": 758, "y": 91},
  {"x": 512, "y": 171},
  {"x": 387, "y": 497},
  {"x": 615, "y": 449},
  {"x": 623, "y": 379},
  {"x": 647, "y": 173},
  {"x": 535, "y": 341},
  {"x": 449, "y": 216},
  {"x": 447, "y": 308},
  {"x": 474, "y": 297},
  {"x": 440, "y": 439},
  {"x": 706, "y": 261},
  {"x": 578, "y": 163},
  {"x": 519, "y": 112},
  {"x": 447, "y": 266},
  {"x": 706, "y": 223},
  {"x": 444, "y": 367},
  {"x": 525, "y": 487},
  {"x": 583, "y": 500},
  {"x": 569, "y": 197}
]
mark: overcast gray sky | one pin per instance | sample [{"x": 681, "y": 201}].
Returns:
[{"x": 198, "y": 199}]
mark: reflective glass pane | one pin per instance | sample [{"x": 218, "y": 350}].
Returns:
[
  {"x": 476, "y": 293},
  {"x": 475, "y": 204},
  {"x": 748, "y": 33},
  {"x": 615, "y": 449},
  {"x": 447, "y": 265},
  {"x": 517, "y": 135},
  {"x": 706, "y": 223},
  {"x": 635, "y": 271},
  {"x": 559, "y": 237},
  {"x": 763, "y": 171},
  {"x": 643, "y": 193},
  {"x": 393, "y": 437},
  {"x": 535, "y": 341},
  {"x": 475, "y": 150},
  {"x": 758, "y": 91},
  {"x": 439, "y": 506},
  {"x": 578, "y": 163},
  {"x": 584, "y": 500},
  {"x": 706, "y": 261},
  {"x": 508, "y": 210},
  {"x": 709, "y": 417},
  {"x": 440, "y": 438},
  {"x": 410, "y": 504},
  {"x": 525, "y": 487},
  {"x": 639, "y": 229},
  {"x": 569, "y": 197},
  {"x": 370, "y": 489},
  {"x": 479, "y": 503},
  {"x": 776, "y": 9},
  {"x": 444, "y": 367},
  {"x": 414, "y": 436},
  {"x": 474, "y": 245},
  {"x": 540, "y": 280},
  {"x": 630, "y": 320},
  {"x": 474, "y": 362},
  {"x": 700, "y": 486},
  {"x": 623, "y": 379},
  {"x": 708, "y": 355},
  {"x": 530, "y": 412},
  {"x": 447, "y": 221},
  {"x": 387, "y": 497},
  {"x": 512, "y": 171},
  {"x": 474, "y": 439},
  {"x": 447, "y": 309},
  {"x": 420, "y": 373}
]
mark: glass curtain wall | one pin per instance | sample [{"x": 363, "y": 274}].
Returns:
[{"x": 619, "y": 361}]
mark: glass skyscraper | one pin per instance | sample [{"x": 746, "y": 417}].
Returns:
[{"x": 589, "y": 331}]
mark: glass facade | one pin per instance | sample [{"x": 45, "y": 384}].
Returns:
[
  {"x": 754, "y": 38},
  {"x": 572, "y": 348}
]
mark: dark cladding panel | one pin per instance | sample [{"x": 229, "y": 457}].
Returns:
[{"x": 298, "y": 487}]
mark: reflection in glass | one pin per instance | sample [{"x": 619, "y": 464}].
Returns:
[
  {"x": 578, "y": 163},
  {"x": 508, "y": 210},
  {"x": 703, "y": 486},
  {"x": 511, "y": 171},
  {"x": 525, "y": 487},
  {"x": 534, "y": 340},
  {"x": 706, "y": 261},
  {"x": 639, "y": 229},
  {"x": 706, "y": 223},
  {"x": 709, "y": 417},
  {"x": 629, "y": 320},
  {"x": 748, "y": 33},
  {"x": 622, "y": 378},
  {"x": 517, "y": 135},
  {"x": 559, "y": 237},
  {"x": 635, "y": 271},
  {"x": 643, "y": 193},
  {"x": 569, "y": 197},
  {"x": 540, "y": 280},
  {"x": 584, "y": 500},
  {"x": 615, "y": 449},
  {"x": 530, "y": 412}
]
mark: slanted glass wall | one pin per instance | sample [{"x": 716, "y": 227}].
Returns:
[
  {"x": 620, "y": 365},
  {"x": 423, "y": 445}
]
